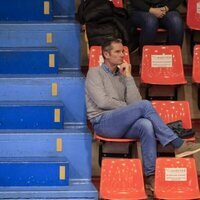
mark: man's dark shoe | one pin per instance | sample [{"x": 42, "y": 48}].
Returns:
[
  {"x": 149, "y": 180},
  {"x": 187, "y": 149}
]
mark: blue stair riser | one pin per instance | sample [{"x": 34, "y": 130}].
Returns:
[
  {"x": 28, "y": 61},
  {"x": 55, "y": 34},
  {"x": 74, "y": 144},
  {"x": 26, "y": 10},
  {"x": 83, "y": 190},
  {"x": 63, "y": 8},
  {"x": 33, "y": 116},
  {"x": 67, "y": 88},
  {"x": 33, "y": 173}
]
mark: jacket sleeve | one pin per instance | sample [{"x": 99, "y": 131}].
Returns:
[
  {"x": 140, "y": 5},
  {"x": 173, "y": 4},
  {"x": 95, "y": 89},
  {"x": 132, "y": 92}
]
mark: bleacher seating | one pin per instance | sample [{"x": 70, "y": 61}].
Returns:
[
  {"x": 196, "y": 70},
  {"x": 122, "y": 179},
  {"x": 162, "y": 67},
  {"x": 171, "y": 111},
  {"x": 176, "y": 178},
  {"x": 193, "y": 20},
  {"x": 44, "y": 141},
  {"x": 118, "y": 3}
]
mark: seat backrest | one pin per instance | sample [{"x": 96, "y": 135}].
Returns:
[
  {"x": 96, "y": 58},
  {"x": 176, "y": 178},
  {"x": 171, "y": 111},
  {"x": 162, "y": 65},
  {"x": 118, "y": 3},
  {"x": 193, "y": 14},
  {"x": 196, "y": 64},
  {"x": 122, "y": 179}
]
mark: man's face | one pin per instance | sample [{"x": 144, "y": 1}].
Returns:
[{"x": 116, "y": 55}]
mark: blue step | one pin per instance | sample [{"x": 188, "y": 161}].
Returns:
[
  {"x": 26, "y": 10},
  {"x": 64, "y": 8},
  {"x": 31, "y": 115},
  {"x": 61, "y": 34},
  {"x": 32, "y": 171},
  {"x": 68, "y": 88},
  {"x": 73, "y": 143},
  {"x": 77, "y": 190},
  {"x": 28, "y": 61}
]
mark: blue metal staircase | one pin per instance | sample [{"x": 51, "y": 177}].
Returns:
[{"x": 45, "y": 146}]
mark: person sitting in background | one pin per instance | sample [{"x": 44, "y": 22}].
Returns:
[
  {"x": 103, "y": 20},
  {"x": 149, "y": 15},
  {"x": 116, "y": 110}
]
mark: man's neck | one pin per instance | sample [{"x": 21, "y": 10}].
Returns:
[{"x": 112, "y": 67}]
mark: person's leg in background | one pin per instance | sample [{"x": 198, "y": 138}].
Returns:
[
  {"x": 173, "y": 22},
  {"x": 148, "y": 24}
]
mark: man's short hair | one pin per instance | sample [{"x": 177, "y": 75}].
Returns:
[{"x": 106, "y": 46}]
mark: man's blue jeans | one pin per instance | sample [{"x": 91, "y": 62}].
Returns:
[
  {"x": 149, "y": 24},
  {"x": 138, "y": 120}
]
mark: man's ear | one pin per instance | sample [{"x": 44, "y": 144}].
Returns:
[{"x": 106, "y": 54}]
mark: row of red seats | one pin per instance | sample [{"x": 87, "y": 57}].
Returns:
[
  {"x": 175, "y": 178},
  {"x": 161, "y": 65}
]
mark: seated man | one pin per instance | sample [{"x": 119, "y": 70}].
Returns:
[{"x": 115, "y": 109}]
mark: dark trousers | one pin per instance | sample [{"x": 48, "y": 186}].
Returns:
[{"x": 149, "y": 24}]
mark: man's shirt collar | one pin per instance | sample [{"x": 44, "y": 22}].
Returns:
[{"x": 107, "y": 70}]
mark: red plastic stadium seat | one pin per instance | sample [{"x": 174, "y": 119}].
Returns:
[
  {"x": 196, "y": 70},
  {"x": 176, "y": 178},
  {"x": 118, "y": 3},
  {"x": 122, "y": 179},
  {"x": 171, "y": 111},
  {"x": 193, "y": 14},
  {"x": 193, "y": 20},
  {"x": 162, "y": 65}
]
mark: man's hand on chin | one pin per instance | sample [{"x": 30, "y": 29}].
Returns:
[{"x": 125, "y": 69}]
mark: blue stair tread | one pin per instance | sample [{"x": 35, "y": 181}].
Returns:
[
  {"x": 76, "y": 147},
  {"x": 44, "y": 34},
  {"x": 33, "y": 171},
  {"x": 59, "y": 25},
  {"x": 75, "y": 189},
  {"x": 11, "y": 10},
  {"x": 62, "y": 74},
  {"x": 72, "y": 131},
  {"x": 40, "y": 60},
  {"x": 25, "y": 49},
  {"x": 32, "y": 159},
  {"x": 17, "y": 88},
  {"x": 31, "y": 115},
  {"x": 31, "y": 103}
]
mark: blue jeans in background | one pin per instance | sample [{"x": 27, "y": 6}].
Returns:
[
  {"x": 149, "y": 24},
  {"x": 138, "y": 120}
]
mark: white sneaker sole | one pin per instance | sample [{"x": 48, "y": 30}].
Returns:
[{"x": 187, "y": 153}]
